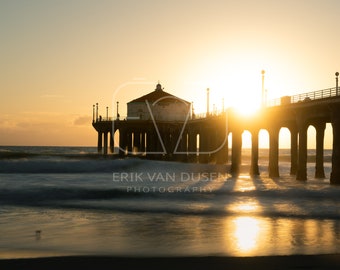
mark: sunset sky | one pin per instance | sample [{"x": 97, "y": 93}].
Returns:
[{"x": 58, "y": 58}]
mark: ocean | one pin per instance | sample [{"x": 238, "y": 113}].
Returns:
[{"x": 71, "y": 201}]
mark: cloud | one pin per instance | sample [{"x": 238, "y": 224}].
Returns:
[
  {"x": 46, "y": 129},
  {"x": 32, "y": 120},
  {"x": 82, "y": 121}
]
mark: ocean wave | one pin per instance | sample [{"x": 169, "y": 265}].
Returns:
[
  {"x": 98, "y": 164},
  {"x": 45, "y": 195},
  {"x": 48, "y": 164},
  {"x": 292, "y": 203}
]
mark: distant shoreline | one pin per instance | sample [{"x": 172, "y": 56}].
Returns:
[{"x": 320, "y": 261}]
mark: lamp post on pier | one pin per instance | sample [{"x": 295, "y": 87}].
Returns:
[
  {"x": 93, "y": 113},
  {"x": 208, "y": 101},
  {"x": 263, "y": 92},
  {"x": 117, "y": 110},
  {"x": 192, "y": 110},
  {"x": 107, "y": 113},
  {"x": 336, "y": 83},
  {"x": 97, "y": 111}
]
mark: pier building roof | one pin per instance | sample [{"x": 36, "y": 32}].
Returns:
[{"x": 156, "y": 95}]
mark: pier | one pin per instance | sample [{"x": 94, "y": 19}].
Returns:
[{"x": 204, "y": 138}]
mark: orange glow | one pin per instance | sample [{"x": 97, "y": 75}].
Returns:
[
  {"x": 244, "y": 183},
  {"x": 80, "y": 54},
  {"x": 247, "y": 233},
  {"x": 235, "y": 81}
]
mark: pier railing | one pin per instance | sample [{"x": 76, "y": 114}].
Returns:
[
  {"x": 320, "y": 94},
  {"x": 109, "y": 119},
  {"x": 285, "y": 100},
  {"x": 205, "y": 115}
]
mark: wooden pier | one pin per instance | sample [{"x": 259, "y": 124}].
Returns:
[{"x": 205, "y": 139}]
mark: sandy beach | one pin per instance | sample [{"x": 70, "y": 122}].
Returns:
[{"x": 327, "y": 261}]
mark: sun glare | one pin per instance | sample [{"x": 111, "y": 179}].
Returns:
[
  {"x": 246, "y": 233},
  {"x": 241, "y": 88},
  {"x": 246, "y": 106},
  {"x": 220, "y": 97}
]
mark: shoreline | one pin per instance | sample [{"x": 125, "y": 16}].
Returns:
[{"x": 319, "y": 261}]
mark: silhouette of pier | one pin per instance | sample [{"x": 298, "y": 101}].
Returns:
[{"x": 204, "y": 138}]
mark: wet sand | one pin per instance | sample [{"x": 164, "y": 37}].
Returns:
[{"x": 329, "y": 261}]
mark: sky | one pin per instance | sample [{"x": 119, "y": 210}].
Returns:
[{"x": 58, "y": 58}]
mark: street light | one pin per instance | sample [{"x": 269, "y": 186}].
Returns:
[
  {"x": 93, "y": 113},
  {"x": 117, "y": 109},
  {"x": 192, "y": 110},
  {"x": 208, "y": 101},
  {"x": 336, "y": 81},
  {"x": 97, "y": 111},
  {"x": 263, "y": 93},
  {"x": 107, "y": 113}
]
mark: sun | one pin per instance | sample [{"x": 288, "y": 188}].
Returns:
[
  {"x": 223, "y": 87},
  {"x": 246, "y": 105},
  {"x": 244, "y": 80},
  {"x": 243, "y": 96},
  {"x": 217, "y": 96}
]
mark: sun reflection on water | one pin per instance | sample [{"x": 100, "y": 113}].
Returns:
[
  {"x": 245, "y": 204},
  {"x": 244, "y": 183},
  {"x": 246, "y": 227},
  {"x": 245, "y": 207},
  {"x": 246, "y": 233}
]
